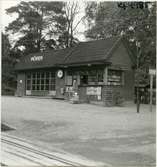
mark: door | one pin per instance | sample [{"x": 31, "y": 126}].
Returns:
[{"x": 60, "y": 85}]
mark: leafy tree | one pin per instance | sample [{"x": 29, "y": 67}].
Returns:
[
  {"x": 8, "y": 76},
  {"x": 106, "y": 19},
  {"x": 44, "y": 25},
  {"x": 33, "y": 22}
]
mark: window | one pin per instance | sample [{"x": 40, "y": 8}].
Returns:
[
  {"x": 52, "y": 81},
  {"x": 115, "y": 77},
  {"x": 83, "y": 79},
  {"x": 69, "y": 80},
  {"x": 86, "y": 77},
  {"x": 100, "y": 75},
  {"x": 92, "y": 77},
  {"x": 70, "y": 77},
  {"x": 40, "y": 81}
]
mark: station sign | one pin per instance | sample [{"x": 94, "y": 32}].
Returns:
[
  {"x": 93, "y": 91},
  {"x": 37, "y": 58}
]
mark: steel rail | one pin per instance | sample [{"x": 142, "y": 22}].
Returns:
[
  {"x": 50, "y": 156},
  {"x": 26, "y": 158}
]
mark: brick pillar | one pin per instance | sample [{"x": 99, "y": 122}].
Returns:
[{"x": 107, "y": 96}]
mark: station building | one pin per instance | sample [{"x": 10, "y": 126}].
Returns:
[{"x": 94, "y": 69}]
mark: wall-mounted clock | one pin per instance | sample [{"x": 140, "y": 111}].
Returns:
[{"x": 60, "y": 73}]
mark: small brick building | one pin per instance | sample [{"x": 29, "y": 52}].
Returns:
[{"x": 93, "y": 69}]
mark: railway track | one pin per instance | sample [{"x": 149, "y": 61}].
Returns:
[{"x": 16, "y": 151}]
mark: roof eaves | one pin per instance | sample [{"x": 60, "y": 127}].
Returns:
[{"x": 103, "y": 61}]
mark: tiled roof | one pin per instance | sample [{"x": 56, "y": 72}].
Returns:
[
  {"x": 84, "y": 52},
  {"x": 92, "y": 51},
  {"x": 50, "y": 59}
]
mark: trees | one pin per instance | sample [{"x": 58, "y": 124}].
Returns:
[
  {"x": 71, "y": 10},
  {"x": 33, "y": 22},
  {"x": 8, "y": 77},
  {"x": 106, "y": 19},
  {"x": 39, "y": 25},
  {"x": 42, "y": 25}
]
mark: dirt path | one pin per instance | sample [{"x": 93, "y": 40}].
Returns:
[{"x": 117, "y": 135}]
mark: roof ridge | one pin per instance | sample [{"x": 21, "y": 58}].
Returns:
[{"x": 99, "y": 39}]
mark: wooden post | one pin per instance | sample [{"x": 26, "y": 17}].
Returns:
[
  {"x": 105, "y": 75},
  {"x": 138, "y": 98},
  {"x": 151, "y": 91},
  {"x": 137, "y": 67},
  {"x": 152, "y": 73}
]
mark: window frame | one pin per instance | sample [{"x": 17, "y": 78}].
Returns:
[
  {"x": 111, "y": 79},
  {"x": 41, "y": 81}
]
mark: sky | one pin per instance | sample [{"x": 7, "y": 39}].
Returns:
[{"x": 6, "y": 19}]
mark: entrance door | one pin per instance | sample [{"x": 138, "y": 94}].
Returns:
[{"x": 60, "y": 84}]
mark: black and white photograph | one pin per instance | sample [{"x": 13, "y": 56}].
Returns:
[{"x": 78, "y": 83}]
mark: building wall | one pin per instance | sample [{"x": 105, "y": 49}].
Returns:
[
  {"x": 21, "y": 84},
  {"x": 126, "y": 91},
  {"x": 121, "y": 58}
]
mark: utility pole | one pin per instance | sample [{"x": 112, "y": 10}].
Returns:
[
  {"x": 152, "y": 73},
  {"x": 137, "y": 69},
  {"x": 151, "y": 91}
]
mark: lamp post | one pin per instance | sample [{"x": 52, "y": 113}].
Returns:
[{"x": 137, "y": 69}]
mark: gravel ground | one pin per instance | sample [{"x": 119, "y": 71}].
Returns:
[{"x": 115, "y": 135}]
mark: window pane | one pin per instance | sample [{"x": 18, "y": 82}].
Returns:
[
  {"x": 42, "y": 81},
  {"x": 42, "y": 87},
  {"x": 46, "y": 87},
  {"x": 47, "y": 74},
  {"x": 114, "y": 77},
  {"x": 28, "y": 82},
  {"x": 42, "y": 75},
  {"x": 33, "y": 81},
  {"x": 84, "y": 79},
  {"x": 33, "y": 87},
  {"x": 47, "y": 81},
  {"x": 69, "y": 80},
  {"x": 28, "y": 85},
  {"x": 38, "y": 87},
  {"x": 34, "y": 75},
  {"x": 38, "y": 75},
  {"x": 100, "y": 77},
  {"x": 38, "y": 81},
  {"x": 52, "y": 74}
]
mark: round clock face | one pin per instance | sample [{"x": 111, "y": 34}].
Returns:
[{"x": 60, "y": 73}]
